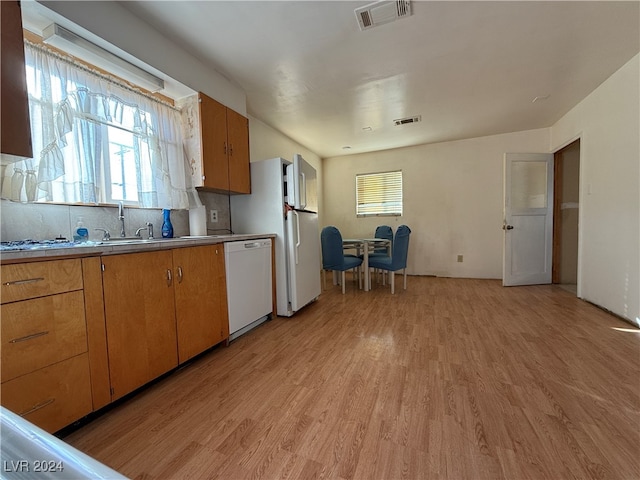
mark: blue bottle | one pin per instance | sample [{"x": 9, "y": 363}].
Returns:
[{"x": 167, "y": 228}]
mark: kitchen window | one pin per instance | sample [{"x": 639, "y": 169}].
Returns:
[
  {"x": 379, "y": 194},
  {"x": 96, "y": 140}
]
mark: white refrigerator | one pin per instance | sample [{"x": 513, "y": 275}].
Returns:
[{"x": 284, "y": 201}]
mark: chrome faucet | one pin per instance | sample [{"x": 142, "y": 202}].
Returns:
[
  {"x": 121, "y": 218},
  {"x": 105, "y": 234},
  {"x": 148, "y": 228}
]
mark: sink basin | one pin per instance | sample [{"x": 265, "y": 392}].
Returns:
[
  {"x": 124, "y": 239},
  {"x": 127, "y": 240},
  {"x": 203, "y": 236}
]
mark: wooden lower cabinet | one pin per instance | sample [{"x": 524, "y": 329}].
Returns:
[
  {"x": 76, "y": 334},
  {"x": 201, "y": 299},
  {"x": 51, "y": 397},
  {"x": 140, "y": 318},
  {"x": 45, "y": 366},
  {"x": 161, "y": 309}
]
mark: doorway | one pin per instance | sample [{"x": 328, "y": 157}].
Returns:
[{"x": 565, "y": 216}]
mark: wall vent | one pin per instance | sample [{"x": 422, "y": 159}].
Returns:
[
  {"x": 382, "y": 12},
  {"x": 404, "y": 121}
]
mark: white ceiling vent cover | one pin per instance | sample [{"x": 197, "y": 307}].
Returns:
[
  {"x": 382, "y": 12},
  {"x": 404, "y": 121}
]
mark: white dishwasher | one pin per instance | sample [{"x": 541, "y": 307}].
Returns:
[{"x": 249, "y": 283}]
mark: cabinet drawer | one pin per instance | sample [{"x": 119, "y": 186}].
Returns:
[
  {"x": 22, "y": 281},
  {"x": 52, "y": 397},
  {"x": 39, "y": 332}
]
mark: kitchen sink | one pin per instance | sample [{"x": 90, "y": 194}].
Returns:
[
  {"x": 132, "y": 240},
  {"x": 203, "y": 236}
]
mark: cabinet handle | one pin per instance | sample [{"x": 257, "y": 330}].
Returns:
[
  {"x": 231, "y": 149},
  {"x": 169, "y": 277},
  {"x": 37, "y": 407},
  {"x": 225, "y": 148},
  {"x": 179, "y": 274},
  {"x": 28, "y": 337},
  {"x": 22, "y": 282}
]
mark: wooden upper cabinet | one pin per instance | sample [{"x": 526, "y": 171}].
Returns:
[
  {"x": 238, "y": 138},
  {"x": 225, "y": 148},
  {"x": 16, "y": 129},
  {"x": 215, "y": 163}
]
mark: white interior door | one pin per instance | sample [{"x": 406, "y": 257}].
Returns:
[{"x": 528, "y": 218}]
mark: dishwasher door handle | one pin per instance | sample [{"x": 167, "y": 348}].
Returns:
[{"x": 252, "y": 245}]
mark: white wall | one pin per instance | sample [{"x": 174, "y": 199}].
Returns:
[
  {"x": 266, "y": 142},
  {"x": 453, "y": 200},
  {"x": 608, "y": 124}
]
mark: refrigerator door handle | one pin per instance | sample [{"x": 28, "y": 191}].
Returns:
[
  {"x": 297, "y": 235},
  {"x": 303, "y": 191}
]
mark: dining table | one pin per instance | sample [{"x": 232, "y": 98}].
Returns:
[{"x": 365, "y": 246}]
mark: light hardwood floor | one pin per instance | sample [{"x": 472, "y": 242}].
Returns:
[{"x": 452, "y": 378}]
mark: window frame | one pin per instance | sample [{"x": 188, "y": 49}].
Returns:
[
  {"x": 387, "y": 199},
  {"x": 155, "y": 128}
]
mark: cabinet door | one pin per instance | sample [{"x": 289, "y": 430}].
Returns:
[
  {"x": 200, "y": 299},
  {"x": 140, "y": 318},
  {"x": 238, "y": 138},
  {"x": 16, "y": 129},
  {"x": 215, "y": 168}
]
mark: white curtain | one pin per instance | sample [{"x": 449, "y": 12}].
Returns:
[{"x": 75, "y": 115}]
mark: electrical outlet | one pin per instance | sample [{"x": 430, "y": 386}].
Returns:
[
  {"x": 213, "y": 216},
  {"x": 459, "y": 258}
]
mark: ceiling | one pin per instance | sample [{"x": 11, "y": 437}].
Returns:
[{"x": 469, "y": 69}]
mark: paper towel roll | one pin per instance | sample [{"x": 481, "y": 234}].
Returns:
[{"x": 198, "y": 221}]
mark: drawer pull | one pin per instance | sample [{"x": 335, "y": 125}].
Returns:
[
  {"x": 29, "y": 337},
  {"x": 22, "y": 282},
  {"x": 37, "y": 407}
]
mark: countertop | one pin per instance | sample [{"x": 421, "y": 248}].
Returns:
[{"x": 114, "y": 247}]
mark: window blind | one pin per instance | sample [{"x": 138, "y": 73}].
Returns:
[{"x": 379, "y": 194}]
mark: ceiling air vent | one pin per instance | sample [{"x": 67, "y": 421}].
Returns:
[
  {"x": 382, "y": 12},
  {"x": 404, "y": 121}
]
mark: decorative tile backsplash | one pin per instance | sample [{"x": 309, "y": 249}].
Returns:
[{"x": 37, "y": 221}]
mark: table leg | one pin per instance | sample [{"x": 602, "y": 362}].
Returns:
[{"x": 365, "y": 265}]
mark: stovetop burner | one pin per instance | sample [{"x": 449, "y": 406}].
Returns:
[{"x": 30, "y": 244}]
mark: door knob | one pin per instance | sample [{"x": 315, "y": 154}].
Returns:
[{"x": 507, "y": 227}]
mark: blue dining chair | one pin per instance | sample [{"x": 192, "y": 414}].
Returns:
[
  {"x": 333, "y": 257},
  {"x": 386, "y": 232},
  {"x": 398, "y": 259}
]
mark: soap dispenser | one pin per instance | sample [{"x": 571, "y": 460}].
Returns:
[{"x": 80, "y": 234}]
